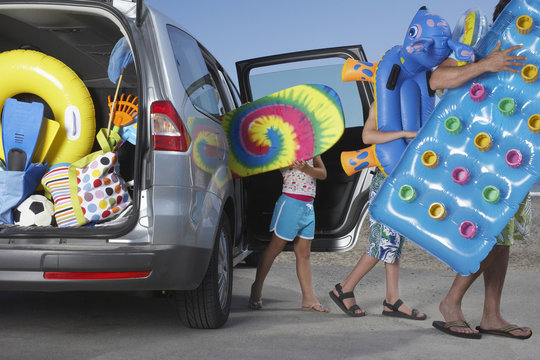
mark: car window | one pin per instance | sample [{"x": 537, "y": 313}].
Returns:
[
  {"x": 198, "y": 83},
  {"x": 267, "y": 80}
]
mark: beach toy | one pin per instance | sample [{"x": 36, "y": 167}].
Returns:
[
  {"x": 47, "y": 134},
  {"x": 452, "y": 125},
  {"x": 460, "y": 175},
  {"x": 407, "y": 193},
  {"x": 533, "y": 123},
  {"x": 529, "y": 73},
  {"x": 121, "y": 57},
  {"x": 402, "y": 98},
  {"x": 467, "y": 229},
  {"x": 507, "y": 106},
  {"x": 477, "y": 92},
  {"x": 491, "y": 194},
  {"x": 297, "y": 123},
  {"x": 437, "y": 211},
  {"x": 430, "y": 159},
  {"x": 494, "y": 190},
  {"x": 483, "y": 142},
  {"x": 32, "y": 72},
  {"x": 124, "y": 112},
  {"x": 514, "y": 158},
  {"x": 129, "y": 132},
  {"x": 524, "y": 24},
  {"x": 21, "y": 123}
]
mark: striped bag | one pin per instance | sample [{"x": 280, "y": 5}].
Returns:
[
  {"x": 89, "y": 190},
  {"x": 56, "y": 184}
]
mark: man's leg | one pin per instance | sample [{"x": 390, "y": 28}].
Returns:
[
  {"x": 494, "y": 276},
  {"x": 450, "y": 307}
]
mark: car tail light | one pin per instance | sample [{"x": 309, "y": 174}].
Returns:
[
  {"x": 95, "y": 275},
  {"x": 168, "y": 132}
]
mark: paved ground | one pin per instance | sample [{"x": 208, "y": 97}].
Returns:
[{"x": 109, "y": 326}]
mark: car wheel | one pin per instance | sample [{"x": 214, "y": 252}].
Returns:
[{"x": 208, "y": 306}]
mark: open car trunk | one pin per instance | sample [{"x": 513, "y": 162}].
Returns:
[{"x": 81, "y": 37}]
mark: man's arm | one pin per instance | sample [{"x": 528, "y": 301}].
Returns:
[{"x": 448, "y": 75}]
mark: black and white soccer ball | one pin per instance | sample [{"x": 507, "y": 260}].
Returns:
[{"x": 35, "y": 210}]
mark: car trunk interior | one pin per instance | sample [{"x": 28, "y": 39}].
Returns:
[{"x": 82, "y": 38}]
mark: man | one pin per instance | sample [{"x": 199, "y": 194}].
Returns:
[{"x": 494, "y": 266}]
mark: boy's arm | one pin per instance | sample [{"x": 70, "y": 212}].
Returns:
[
  {"x": 371, "y": 135},
  {"x": 448, "y": 75}
]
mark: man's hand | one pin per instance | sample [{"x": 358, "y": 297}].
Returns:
[{"x": 501, "y": 60}]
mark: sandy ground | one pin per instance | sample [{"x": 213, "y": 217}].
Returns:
[{"x": 524, "y": 255}]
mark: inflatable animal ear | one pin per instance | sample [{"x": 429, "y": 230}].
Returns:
[{"x": 463, "y": 52}]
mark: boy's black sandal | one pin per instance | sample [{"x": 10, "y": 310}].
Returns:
[
  {"x": 396, "y": 313},
  {"x": 339, "y": 302}
]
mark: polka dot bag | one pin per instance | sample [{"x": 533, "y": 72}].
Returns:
[{"x": 97, "y": 192}]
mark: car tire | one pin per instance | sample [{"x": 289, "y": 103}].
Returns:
[{"x": 208, "y": 306}]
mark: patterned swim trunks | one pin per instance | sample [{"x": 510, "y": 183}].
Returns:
[
  {"x": 385, "y": 244},
  {"x": 519, "y": 227}
]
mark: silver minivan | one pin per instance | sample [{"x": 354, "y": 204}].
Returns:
[{"x": 189, "y": 222}]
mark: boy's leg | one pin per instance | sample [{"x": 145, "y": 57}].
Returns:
[
  {"x": 265, "y": 263},
  {"x": 392, "y": 288},
  {"x": 362, "y": 267}
]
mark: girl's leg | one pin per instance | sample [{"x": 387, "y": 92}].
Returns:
[
  {"x": 392, "y": 288},
  {"x": 302, "y": 251},
  {"x": 265, "y": 263}
]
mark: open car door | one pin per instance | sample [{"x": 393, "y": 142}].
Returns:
[{"x": 342, "y": 201}]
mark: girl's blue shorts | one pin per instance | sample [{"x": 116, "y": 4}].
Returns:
[{"x": 293, "y": 218}]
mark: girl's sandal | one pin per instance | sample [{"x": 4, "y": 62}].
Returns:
[
  {"x": 316, "y": 308},
  {"x": 255, "y": 304}
]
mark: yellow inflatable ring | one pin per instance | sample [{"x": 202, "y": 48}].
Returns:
[{"x": 28, "y": 71}]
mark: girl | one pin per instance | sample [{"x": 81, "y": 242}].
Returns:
[{"x": 293, "y": 220}]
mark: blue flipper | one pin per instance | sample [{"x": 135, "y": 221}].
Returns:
[{"x": 21, "y": 123}]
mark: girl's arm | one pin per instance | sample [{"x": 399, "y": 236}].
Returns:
[
  {"x": 370, "y": 134},
  {"x": 318, "y": 171}
]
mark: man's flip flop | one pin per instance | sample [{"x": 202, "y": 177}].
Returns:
[
  {"x": 505, "y": 331},
  {"x": 445, "y": 328},
  {"x": 339, "y": 302},
  {"x": 396, "y": 313}
]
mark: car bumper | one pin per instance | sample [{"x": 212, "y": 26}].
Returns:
[{"x": 168, "y": 267}]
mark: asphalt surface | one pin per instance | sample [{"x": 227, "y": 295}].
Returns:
[
  {"x": 111, "y": 326},
  {"x": 138, "y": 326}
]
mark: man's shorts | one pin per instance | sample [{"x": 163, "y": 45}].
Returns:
[
  {"x": 519, "y": 227},
  {"x": 293, "y": 218}
]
